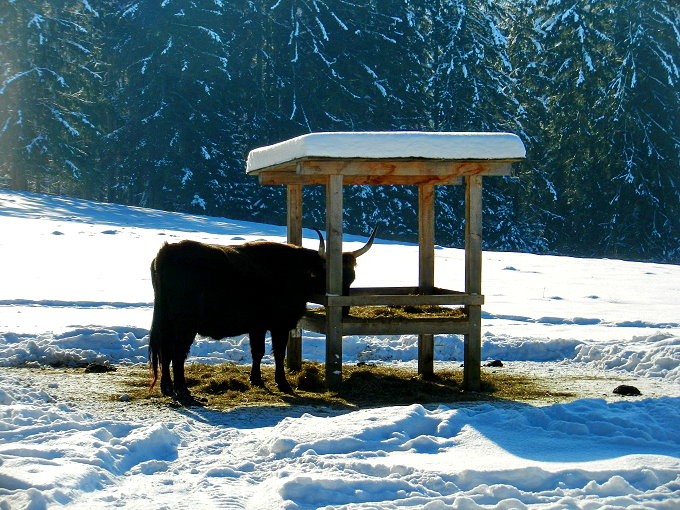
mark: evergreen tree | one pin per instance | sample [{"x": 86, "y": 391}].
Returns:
[
  {"x": 532, "y": 76},
  {"x": 642, "y": 129},
  {"x": 326, "y": 71},
  {"x": 469, "y": 86},
  {"x": 576, "y": 45},
  {"x": 158, "y": 102},
  {"x": 47, "y": 66},
  {"x": 172, "y": 61}
]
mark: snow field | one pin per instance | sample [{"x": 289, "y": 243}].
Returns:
[
  {"x": 470, "y": 457},
  {"x": 83, "y": 295}
]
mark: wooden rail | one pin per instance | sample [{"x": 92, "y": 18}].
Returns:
[
  {"x": 398, "y": 296},
  {"x": 388, "y": 326}
]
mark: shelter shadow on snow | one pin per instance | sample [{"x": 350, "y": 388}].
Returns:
[
  {"x": 570, "y": 431},
  {"x": 253, "y": 417},
  {"x": 586, "y": 429},
  {"x": 69, "y": 209},
  {"x": 55, "y": 208},
  {"x": 577, "y": 432}
]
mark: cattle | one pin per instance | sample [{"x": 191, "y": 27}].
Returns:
[{"x": 223, "y": 291}]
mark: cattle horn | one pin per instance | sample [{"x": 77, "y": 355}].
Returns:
[
  {"x": 322, "y": 244},
  {"x": 366, "y": 247}
]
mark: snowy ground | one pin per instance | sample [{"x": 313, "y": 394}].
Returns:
[{"x": 75, "y": 289}]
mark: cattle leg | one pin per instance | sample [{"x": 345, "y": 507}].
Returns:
[
  {"x": 257, "y": 352},
  {"x": 279, "y": 343},
  {"x": 181, "y": 390},
  {"x": 179, "y": 356},
  {"x": 160, "y": 352},
  {"x": 166, "y": 382}
]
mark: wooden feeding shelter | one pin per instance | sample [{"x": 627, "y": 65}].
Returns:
[{"x": 425, "y": 159}]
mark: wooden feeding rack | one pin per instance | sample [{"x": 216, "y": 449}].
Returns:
[{"x": 409, "y": 158}]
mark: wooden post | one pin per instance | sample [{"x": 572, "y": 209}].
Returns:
[
  {"x": 294, "y": 223},
  {"x": 473, "y": 281},
  {"x": 334, "y": 281},
  {"x": 426, "y": 271}
]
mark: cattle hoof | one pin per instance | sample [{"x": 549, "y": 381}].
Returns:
[
  {"x": 285, "y": 387},
  {"x": 168, "y": 390},
  {"x": 257, "y": 381},
  {"x": 182, "y": 394},
  {"x": 189, "y": 400}
]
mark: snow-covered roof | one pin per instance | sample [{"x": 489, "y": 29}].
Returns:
[{"x": 388, "y": 145}]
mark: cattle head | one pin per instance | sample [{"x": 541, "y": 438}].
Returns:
[{"x": 349, "y": 259}]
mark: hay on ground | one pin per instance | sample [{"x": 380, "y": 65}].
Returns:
[{"x": 227, "y": 386}]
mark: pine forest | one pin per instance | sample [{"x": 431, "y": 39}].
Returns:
[{"x": 157, "y": 103}]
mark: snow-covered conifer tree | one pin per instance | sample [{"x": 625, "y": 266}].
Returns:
[
  {"x": 642, "y": 126},
  {"x": 45, "y": 118},
  {"x": 173, "y": 64}
]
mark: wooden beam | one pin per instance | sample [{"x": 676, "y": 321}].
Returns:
[
  {"x": 294, "y": 213},
  {"x": 280, "y": 167},
  {"x": 354, "y": 326},
  {"x": 473, "y": 235},
  {"x": 420, "y": 327},
  {"x": 334, "y": 280},
  {"x": 294, "y": 229},
  {"x": 473, "y": 281},
  {"x": 369, "y": 296},
  {"x": 334, "y": 206},
  {"x": 405, "y": 167},
  {"x": 426, "y": 271},
  {"x": 369, "y": 291},
  {"x": 397, "y": 300},
  {"x": 270, "y": 178},
  {"x": 426, "y": 238}
]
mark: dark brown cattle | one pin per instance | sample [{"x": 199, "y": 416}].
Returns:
[{"x": 222, "y": 291}]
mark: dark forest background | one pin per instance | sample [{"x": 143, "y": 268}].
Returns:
[{"x": 157, "y": 103}]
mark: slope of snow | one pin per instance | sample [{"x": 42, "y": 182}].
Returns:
[{"x": 75, "y": 289}]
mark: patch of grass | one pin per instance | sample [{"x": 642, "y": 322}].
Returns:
[{"x": 227, "y": 386}]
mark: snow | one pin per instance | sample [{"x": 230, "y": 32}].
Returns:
[
  {"x": 389, "y": 144},
  {"x": 76, "y": 289}
]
